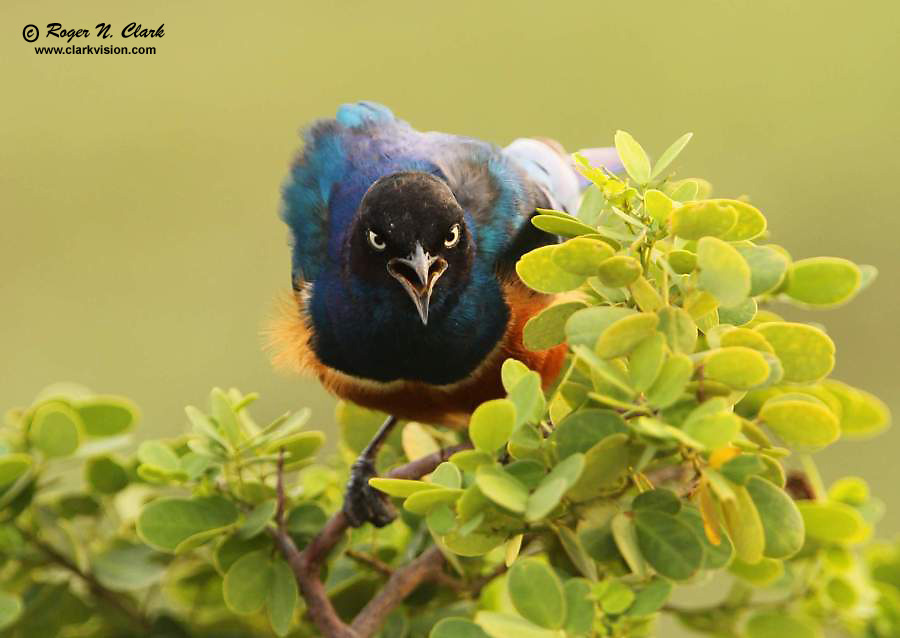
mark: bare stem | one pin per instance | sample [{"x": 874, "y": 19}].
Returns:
[
  {"x": 113, "y": 599},
  {"x": 306, "y": 564}
]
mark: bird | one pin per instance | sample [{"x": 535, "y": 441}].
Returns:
[{"x": 404, "y": 295}]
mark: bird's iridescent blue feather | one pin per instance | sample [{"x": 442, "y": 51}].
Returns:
[{"x": 498, "y": 191}]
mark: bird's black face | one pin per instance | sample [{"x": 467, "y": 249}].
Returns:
[{"x": 410, "y": 233}]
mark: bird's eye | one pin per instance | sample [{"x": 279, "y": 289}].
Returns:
[
  {"x": 452, "y": 237},
  {"x": 375, "y": 240}
]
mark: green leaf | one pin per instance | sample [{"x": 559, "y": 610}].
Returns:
[
  {"x": 247, "y": 582},
  {"x": 548, "y": 328},
  {"x": 13, "y": 467},
  {"x": 761, "y": 574},
  {"x": 10, "y": 609},
  {"x": 457, "y": 628},
  {"x": 166, "y": 522},
  {"x": 823, "y": 281},
  {"x": 545, "y": 498},
  {"x": 528, "y": 399},
  {"x": 447, "y": 475},
  {"x": 714, "y": 556},
  {"x": 742, "y": 467},
  {"x": 806, "y": 353},
  {"x": 682, "y": 262},
  {"x": 833, "y": 522},
  {"x": 440, "y": 519},
  {"x": 499, "y": 625},
  {"x": 736, "y": 366},
  {"x": 421, "y": 502},
  {"x": 684, "y": 190},
  {"x": 571, "y": 544},
  {"x": 670, "y": 154},
  {"x": 800, "y": 419},
  {"x": 604, "y": 465},
  {"x": 776, "y": 624},
  {"x": 713, "y": 430},
  {"x": 624, "y": 334},
  {"x": 658, "y": 205},
  {"x": 400, "y": 488},
  {"x": 582, "y": 255},
  {"x": 502, "y": 488},
  {"x": 258, "y": 518},
  {"x": 233, "y": 547},
  {"x": 705, "y": 218},
  {"x": 469, "y": 460},
  {"x": 723, "y": 272},
  {"x": 659, "y": 499},
  {"x": 297, "y": 447},
  {"x": 56, "y": 430},
  {"x": 671, "y": 382},
  {"x": 633, "y": 157},
  {"x": 224, "y": 415},
  {"x": 511, "y": 372},
  {"x": 615, "y": 597},
  {"x": 645, "y": 295},
  {"x": 537, "y": 593},
  {"x": 744, "y": 525},
  {"x": 750, "y": 222},
  {"x": 668, "y": 544},
  {"x": 768, "y": 267},
  {"x": 158, "y": 455},
  {"x": 646, "y": 361},
  {"x": 103, "y": 416},
  {"x": 619, "y": 271},
  {"x": 491, "y": 424},
  {"x": 282, "y": 597},
  {"x": 105, "y": 475},
  {"x": 539, "y": 272},
  {"x": 780, "y": 518},
  {"x": 529, "y": 471},
  {"x": 582, "y": 429},
  {"x": 625, "y": 536},
  {"x": 562, "y": 224},
  {"x": 585, "y": 326},
  {"x": 128, "y": 567},
  {"x": 738, "y": 315},
  {"x": 579, "y": 607},
  {"x": 651, "y": 598},
  {"x": 862, "y": 414},
  {"x": 679, "y": 329}
]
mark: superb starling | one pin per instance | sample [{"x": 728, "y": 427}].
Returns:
[{"x": 404, "y": 245}]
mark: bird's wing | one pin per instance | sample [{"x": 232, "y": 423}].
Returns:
[{"x": 340, "y": 158}]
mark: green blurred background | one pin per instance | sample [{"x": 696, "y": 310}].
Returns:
[{"x": 140, "y": 246}]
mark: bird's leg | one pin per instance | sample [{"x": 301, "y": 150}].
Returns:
[{"x": 362, "y": 502}]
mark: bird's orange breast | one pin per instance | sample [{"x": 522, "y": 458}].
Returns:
[{"x": 450, "y": 404}]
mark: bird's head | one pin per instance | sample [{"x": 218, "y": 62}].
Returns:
[{"x": 410, "y": 234}]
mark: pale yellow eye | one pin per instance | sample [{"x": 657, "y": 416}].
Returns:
[
  {"x": 452, "y": 237},
  {"x": 375, "y": 240}
]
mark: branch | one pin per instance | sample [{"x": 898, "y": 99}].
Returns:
[
  {"x": 307, "y": 564},
  {"x": 398, "y": 587},
  {"x": 97, "y": 589}
]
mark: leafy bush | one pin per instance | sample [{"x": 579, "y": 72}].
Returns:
[{"x": 674, "y": 449}]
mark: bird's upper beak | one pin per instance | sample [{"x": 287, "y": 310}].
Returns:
[{"x": 417, "y": 274}]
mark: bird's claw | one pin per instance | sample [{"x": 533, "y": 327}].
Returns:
[{"x": 362, "y": 502}]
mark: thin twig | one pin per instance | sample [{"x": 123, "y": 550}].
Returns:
[
  {"x": 307, "y": 564},
  {"x": 279, "y": 491},
  {"x": 96, "y": 588},
  {"x": 370, "y": 561}
]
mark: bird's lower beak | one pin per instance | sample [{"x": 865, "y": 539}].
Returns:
[{"x": 417, "y": 274}]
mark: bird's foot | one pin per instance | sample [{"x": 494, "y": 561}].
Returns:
[{"x": 362, "y": 502}]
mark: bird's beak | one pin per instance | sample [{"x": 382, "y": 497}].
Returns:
[{"x": 417, "y": 274}]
